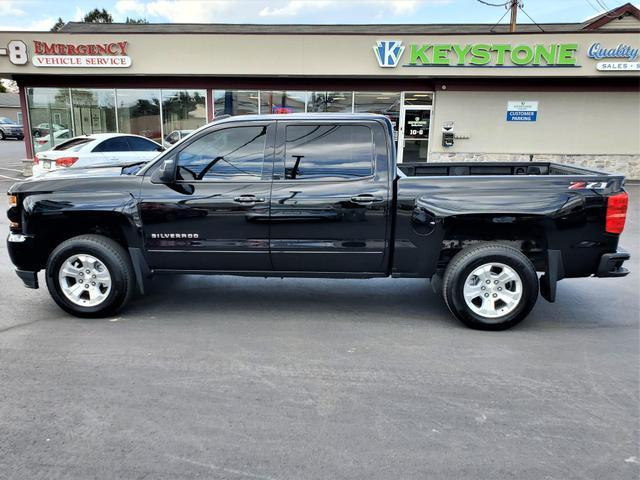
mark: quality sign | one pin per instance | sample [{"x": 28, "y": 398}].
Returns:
[{"x": 522, "y": 111}]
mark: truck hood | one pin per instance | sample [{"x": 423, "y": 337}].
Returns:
[
  {"x": 94, "y": 171},
  {"x": 116, "y": 179}
]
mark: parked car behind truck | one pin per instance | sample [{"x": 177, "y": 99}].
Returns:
[
  {"x": 96, "y": 150},
  {"x": 319, "y": 196},
  {"x": 10, "y": 129}
]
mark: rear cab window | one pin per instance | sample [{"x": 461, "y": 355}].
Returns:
[
  {"x": 139, "y": 144},
  {"x": 74, "y": 144},
  {"x": 114, "y": 144},
  {"x": 327, "y": 152}
]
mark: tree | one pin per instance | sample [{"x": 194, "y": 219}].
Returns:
[
  {"x": 137, "y": 21},
  {"x": 3, "y": 89},
  {"x": 58, "y": 25},
  {"x": 98, "y": 16}
]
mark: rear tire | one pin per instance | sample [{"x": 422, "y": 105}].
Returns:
[
  {"x": 490, "y": 286},
  {"x": 90, "y": 276}
]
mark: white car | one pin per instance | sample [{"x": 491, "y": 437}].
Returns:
[
  {"x": 97, "y": 150},
  {"x": 44, "y": 143}
]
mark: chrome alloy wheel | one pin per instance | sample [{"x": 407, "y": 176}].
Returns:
[
  {"x": 493, "y": 290},
  {"x": 84, "y": 280}
]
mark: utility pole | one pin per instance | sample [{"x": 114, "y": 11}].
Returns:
[{"x": 514, "y": 15}]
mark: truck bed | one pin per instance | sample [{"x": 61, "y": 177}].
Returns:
[{"x": 461, "y": 169}]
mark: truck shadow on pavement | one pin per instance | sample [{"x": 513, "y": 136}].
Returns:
[
  {"x": 371, "y": 300},
  {"x": 384, "y": 300}
]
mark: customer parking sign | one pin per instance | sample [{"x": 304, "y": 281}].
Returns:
[{"x": 522, "y": 111}]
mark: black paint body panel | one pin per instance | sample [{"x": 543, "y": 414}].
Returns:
[{"x": 315, "y": 228}]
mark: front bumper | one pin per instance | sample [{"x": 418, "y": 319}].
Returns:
[
  {"x": 29, "y": 278},
  {"x": 611, "y": 264},
  {"x": 21, "y": 251}
]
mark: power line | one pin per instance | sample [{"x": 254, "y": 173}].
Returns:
[
  {"x": 528, "y": 16},
  {"x": 503, "y": 15},
  {"x": 494, "y": 4},
  {"x": 592, "y": 6}
]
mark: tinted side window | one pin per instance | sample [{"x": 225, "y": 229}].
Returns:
[
  {"x": 328, "y": 152},
  {"x": 115, "y": 144},
  {"x": 142, "y": 145},
  {"x": 235, "y": 153}
]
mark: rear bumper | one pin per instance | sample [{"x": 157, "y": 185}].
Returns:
[{"x": 611, "y": 264}]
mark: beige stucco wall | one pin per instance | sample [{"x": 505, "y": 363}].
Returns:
[
  {"x": 11, "y": 112},
  {"x": 593, "y": 123},
  {"x": 300, "y": 55}
]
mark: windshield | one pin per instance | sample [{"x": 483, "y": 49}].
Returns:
[
  {"x": 74, "y": 144},
  {"x": 6, "y": 120}
]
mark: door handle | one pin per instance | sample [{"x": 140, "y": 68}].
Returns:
[
  {"x": 248, "y": 199},
  {"x": 365, "y": 199}
]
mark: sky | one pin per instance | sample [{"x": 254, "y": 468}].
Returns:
[{"x": 42, "y": 14}]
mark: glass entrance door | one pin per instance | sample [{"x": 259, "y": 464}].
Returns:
[{"x": 415, "y": 126}]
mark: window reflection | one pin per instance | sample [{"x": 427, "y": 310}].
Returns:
[
  {"x": 330, "y": 102},
  {"x": 280, "y": 102},
  {"x": 235, "y": 102},
  {"x": 231, "y": 154},
  {"x": 139, "y": 113},
  {"x": 183, "y": 110},
  {"x": 94, "y": 111},
  {"x": 325, "y": 152},
  {"x": 385, "y": 103},
  {"x": 50, "y": 116}
]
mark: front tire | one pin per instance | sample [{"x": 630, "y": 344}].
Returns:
[
  {"x": 490, "y": 286},
  {"x": 90, "y": 276},
  {"x": 2, "y": 135}
]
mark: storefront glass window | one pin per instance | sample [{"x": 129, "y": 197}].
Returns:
[
  {"x": 418, "y": 98},
  {"x": 235, "y": 102},
  {"x": 139, "y": 113},
  {"x": 183, "y": 110},
  {"x": 50, "y": 116},
  {"x": 330, "y": 102},
  {"x": 385, "y": 103},
  {"x": 94, "y": 111},
  {"x": 282, "y": 102}
]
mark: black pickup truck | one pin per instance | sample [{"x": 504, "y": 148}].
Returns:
[{"x": 318, "y": 196}]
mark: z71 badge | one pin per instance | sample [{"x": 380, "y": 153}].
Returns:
[{"x": 173, "y": 236}]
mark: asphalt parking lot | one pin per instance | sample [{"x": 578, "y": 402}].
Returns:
[{"x": 236, "y": 378}]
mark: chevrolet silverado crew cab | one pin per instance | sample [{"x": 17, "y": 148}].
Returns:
[{"x": 318, "y": 196}]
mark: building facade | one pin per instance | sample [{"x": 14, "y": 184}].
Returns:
[
  {"x": 559, "y": 92},
  {"x": 10, "y": 107}
]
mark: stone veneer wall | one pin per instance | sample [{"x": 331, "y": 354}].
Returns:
[{"x": 628, "y": 165}]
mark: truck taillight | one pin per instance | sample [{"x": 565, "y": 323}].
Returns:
[
  {"x": 66, "y": 161},
  {"x": 616, "y": 212}
]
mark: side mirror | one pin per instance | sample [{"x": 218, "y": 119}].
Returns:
[
  {"x": 166, "y": 173},
  {"x": 160, "y": 148}
]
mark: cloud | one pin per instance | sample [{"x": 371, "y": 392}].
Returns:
[
  {"x": 294, "y": 7},
  {"x": 42, "y": 25},
  {"x": 133, "y": 7},
  {"x": 8, "y": 8},
  {"x": 199, "y": 11}
]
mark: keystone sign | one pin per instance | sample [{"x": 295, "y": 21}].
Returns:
[{"x": 497, "y": 55}]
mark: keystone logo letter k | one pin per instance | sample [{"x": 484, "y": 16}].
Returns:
[{"x": 388, "y": 52}]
